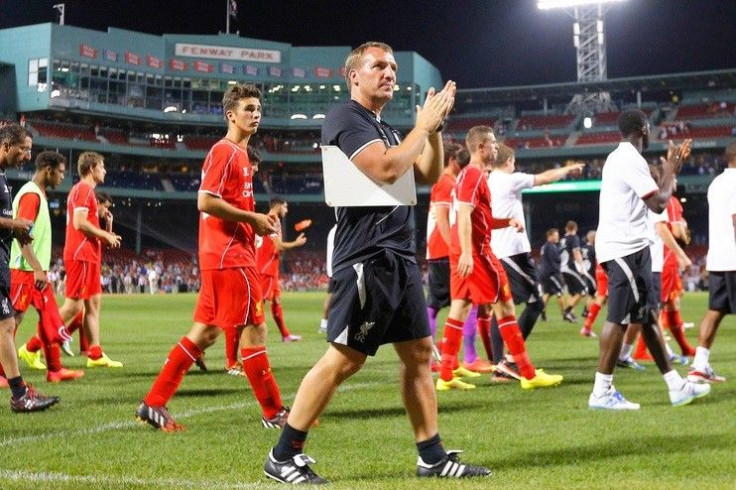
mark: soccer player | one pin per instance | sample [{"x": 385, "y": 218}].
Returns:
[
  {"x": 29, "y": 265},
  {"x": 476, "y": 275},
  {"x": 675, "y": 261},
  {"x": 438, "y": 255},
  {"x": 573, "y": 270},
  {"x": 512, "y": 248},
  {"x": 268, "y": 254},
  {"x": 83, "y": 256},
  {"x": 15, "y": 148},
  {"x": 331, "y": 284},
  {"x": 378, "y": 287},
  {"x": 230, "y": 292},
  {"x": 549, "y": 269},
  {"x": 721, "y": 264},
  {"x": 622, "y": 247},
  {"x": 590, "y": 264}
]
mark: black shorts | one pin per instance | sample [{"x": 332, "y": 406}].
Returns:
[
  {"x": 656, "y": 290},
  {"x": 522, "y": 276},
  {"x": 722, "y": 291},
  {"x": 331, "y": 286},
  {"x": 575, "y": 283},
  {"x": 378, "y": 301},
  {"x": 438, "y": 280},
  {"x": 630, "y": 288},
  {"x": 6, "y": 305},
  {"x": 590, "y": 284},
  {"x": 552, "y": 285}
]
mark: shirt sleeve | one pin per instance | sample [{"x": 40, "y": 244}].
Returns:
[
  {"x": 466, "y": 188},
  {"x": 28, "y": 206},
  {"x": 636, "y": 175},
  {"x": 350, "y": 130},
  {"x": 82, "y": 198},
  {"x": 521, "y": 181},
  {"x": 442, "y": 193},
  {"x": 214, "y": 170}
]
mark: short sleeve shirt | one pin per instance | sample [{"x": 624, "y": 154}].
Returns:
[
  {"x": 506, "y": 203},
  {"x": 267, "y": 256},
  {"x": 227, "y": 174},
  {"x": 77, "y": 245},
  {"x": 549, "y": 256},
  {"x": 471, "y": 188},
  {"x": 622, "y": 222},
  {"x": 721, "y": 210},
  {"x": 568, "y": 245},
  {"x": 440, "y": 196},
  {"x": 363, "y": 232}
]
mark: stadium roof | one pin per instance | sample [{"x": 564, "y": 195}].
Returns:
[{"x": 710, "y": 80}]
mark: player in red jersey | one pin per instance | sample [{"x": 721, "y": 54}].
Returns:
[
  {"x": 476, "y": 275},
  {"x": 29, "y": 265},
  {"x": 231, "y": 291},
  {"x": 674, "y": 262},
  {"x": 268, "y": 255},
  {"x": 83, "y": 255}
]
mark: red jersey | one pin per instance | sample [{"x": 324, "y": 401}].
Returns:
[
  {"x": 227, "y": 174},
  {"x": 77, "y": 245},
  {"x": 440, "y": 196},
  {"x": 471, "y": 188},
  {"x": 674, "y": 217},
  {"x": 267, "y": 257}
]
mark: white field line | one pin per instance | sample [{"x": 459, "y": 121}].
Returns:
[
  {"x": 48, "y": 479},
  {"x": 14, "y": 441}
]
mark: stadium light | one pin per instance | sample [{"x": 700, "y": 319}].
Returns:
[
  {"x": 318, "y": 116},
  {"x": 298, "y": 116},
  {"x": 171, "y": 108},
  {"x": 587, "y": 122},
  {"x": 562, "y": 4}
]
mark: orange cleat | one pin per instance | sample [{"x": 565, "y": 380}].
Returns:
[{"x": 63, "y": 374}]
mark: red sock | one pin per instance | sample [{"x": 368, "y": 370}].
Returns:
[
  {"x": 83, "y": 341},
  {"x": 52, "y": 352},
  {"x": 592, "y": 315},
  {"x": 664, "y": 319},
  {"x": 641, "y": 353},
  {"x": 180, "y": 359},
  {"x": 94, "y": 352},
  {"x": 514, "y": 341},
  {"x": 76, "y": 323},
  {"x": 452, "y": 338},
  {"x": 278, "y": 317},
  {"x": 231, "y": 346},
  {"x": 484, "y": 332},
  {"x": 258, "y": 370},
  {"x": 34, "y": 344},
  {"x": 679, "y": 334}
]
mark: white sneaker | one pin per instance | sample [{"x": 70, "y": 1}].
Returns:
[
  {"x": 611, "y": 400},
  {"x": 689, "y": 392},
  {"x": 291, "y": 338},
  {"x": 66, "y": 346}
]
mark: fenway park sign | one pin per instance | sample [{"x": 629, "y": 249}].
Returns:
[{"x": 227, "y": 53}]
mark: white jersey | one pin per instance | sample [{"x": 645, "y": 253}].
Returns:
[
  {"x": 622, "y": 223},
  {"x": 657, "y": 247},
  {"x": 721, "y": 210},
  {"x": 506, "y": 203},
  {"x": 330, "y": 248}
]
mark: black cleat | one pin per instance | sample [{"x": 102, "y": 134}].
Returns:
[
  {"x": 157, "y": 417},
  {"x": 32, "y": 401},
  {"x": 294, "y": 471},
  {"x": 199, "y": 361},
  {"x": 450, "y": 467}
]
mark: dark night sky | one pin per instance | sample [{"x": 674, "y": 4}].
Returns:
[{"x": 477, "y": 43}]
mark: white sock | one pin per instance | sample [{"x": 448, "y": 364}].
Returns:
[
  {"x": 323, "y": 323},
  {"x": 702, "y": 358},
  {"x": 626, "y": 350},
  {"x": 674, "y": 380},
  {"x": 603, "y": 383},
  {"x": 668, "y": 349}
]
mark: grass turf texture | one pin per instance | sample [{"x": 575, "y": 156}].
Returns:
[{"x": 538, "y": 439}]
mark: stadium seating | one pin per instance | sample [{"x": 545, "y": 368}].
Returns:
[
  {"x": 544, "y": 122},
  {"x": 64, "y": 131},
  {"x": 706, "y": 110},
  {"x": 598, "y": 138}
]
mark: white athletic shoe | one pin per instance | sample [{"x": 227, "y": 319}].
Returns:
[
  {"x": 611, "y": 400},
  {"x": 689, "y": 392}
]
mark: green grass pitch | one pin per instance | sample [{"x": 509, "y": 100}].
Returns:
[{"x": 540, "y": 439}]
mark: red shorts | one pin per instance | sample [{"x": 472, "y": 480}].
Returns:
[
  {"x": 487, "y": 284},
  {"x": 82, "y": 279},
  {"x": 601, "y": 282},
  {"x": 270, "y": 287},
  {"x": 21, "y": 289},
  {"x": 230, "y": 297},
  {"x": 671, "y": 283}
]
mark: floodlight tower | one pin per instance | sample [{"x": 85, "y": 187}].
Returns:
[{"x": 589, "y": 38}]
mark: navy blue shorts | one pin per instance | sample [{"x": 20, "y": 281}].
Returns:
[
  {"x": 438, "y": 279},
  {"x": 722, "y": 291},
  {"x": 6, "y": 305},
  {"x": 378, "y": 301}
]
